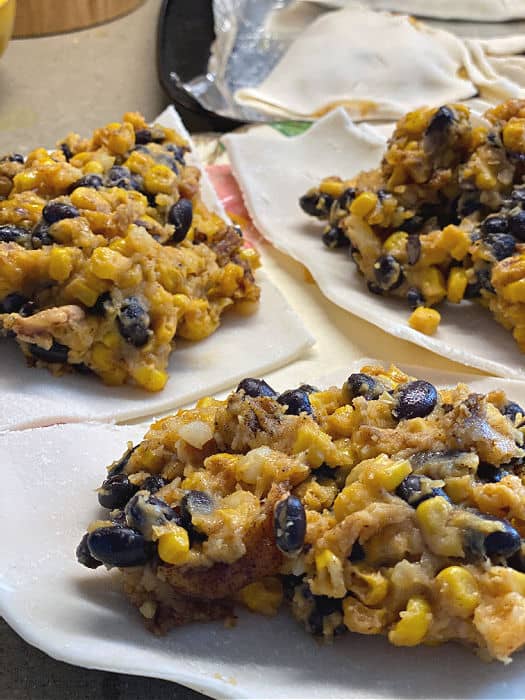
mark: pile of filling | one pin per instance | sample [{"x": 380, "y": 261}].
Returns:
[
  {"x": 385, "y": 506},
  {"x": 442, "y": 217},
  {"x": 107, "y": 253}
]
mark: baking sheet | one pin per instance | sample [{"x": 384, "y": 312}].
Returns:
[
  {"x": 80, "y": 617},
  {"x": 242, "y": 346},
  {"x": 274, "y": 171}
]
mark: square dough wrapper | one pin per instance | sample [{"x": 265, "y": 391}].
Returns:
[
  {"x": 33, "y": 397},
  {"x": 79, "y": 617},
  {"x": 335, "y": 145}
]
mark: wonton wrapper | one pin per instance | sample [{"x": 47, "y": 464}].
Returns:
[
  {"x": 241, "y": 347},
  {"x": 377, "y": 65},
  {"x": 78, "y": 616},
  {"x": 274, "y": 171},
  {"x": 470, "y": 10}
]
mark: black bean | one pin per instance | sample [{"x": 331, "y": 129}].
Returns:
[
  {"x": 100, "y": 307},
  {"x": 316, "y": 204},
  {"x": 296, "y": 402},
  {"x": 482, "y": 281},
  {"x": 56, "y": 211},
  {"x": 9, "y": 233},
  {"x": 414, "y": 224},
  {"x": 500, "y": 543},
  {"x": 308, "y": 388},
  {"x": 68, "y": 153},
  {"x": 323, "y": 607},
  {"x": 518, "y": 195},
  {"x": 116, "y": 491},
  {"x": 357, "y": 553},
  {"x": 84, "y": 555},
  {"x": 517, "y": 224},
  {"x": 143, "y": 136},
  {"x": 501, "y": 245},
  {"x": 512, "y": 410},
  {"x": 12, "y": 303},
  {"x": 14, "y": 158},
  {"x": 289, "y": 520},
  {"x": 413, "y": 492},
  {"x": 495, "y": 223},
  {"x": 178, "y": 152},
  {"x": 180, "y": 216},
  {"x": 415, "y": 400},
  {"x": 467, "y": 205},
  {"x": 256, "y": 387},
  {"x": 40, "y": 235},
  {"x": 290, "y": 583},
  {"x": 91, "y": 180},
  {"x": 144, "y": 511},
  {"x": 488, "y": 473},
  {"x": 57, "y": 353},
  {"x": 335, "y": 238},
  {"x": 503, "y": 543},
  {"x": 119, "y": 466},
  {"x": 438, "y": 127},
  {"x": 195, "y": 503},
  {"x": 413, "y": 248},
  {"x": 374, "y": 288},
  {"x": 28, "y": 309},
  {"x": 347, "y": 197},
  {"x": 360, "y": 384},
  {"x": 388, "y": 273},
  {"x": 415, "y": 298},
  {"x": 119, "y": 546},
  {"x": 517, "y": 560},
  {"x": 133, "y": 322},
  {"x": 119, "y": 176},
  {"x": 153, "y": 484}
]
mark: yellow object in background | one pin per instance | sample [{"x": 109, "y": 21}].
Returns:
[{"x": 7, "y": 20}]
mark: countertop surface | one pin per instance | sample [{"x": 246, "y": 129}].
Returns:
[{"x": 76, "y": 82}]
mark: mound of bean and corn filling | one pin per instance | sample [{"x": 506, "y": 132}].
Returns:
[
  {"x": 107, "y": 253},
  {"x": 443, "y": 215},
  {"x": 385, "y": 506}
]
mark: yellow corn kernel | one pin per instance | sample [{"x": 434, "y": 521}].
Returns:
[
  {"x": 416, "y": 121},
  {"x": 120, "y": 245},
  {"x": 413, "y": 625},
  {"x": 339, "y": 424},
  {"x": 60, "y": 264},
  {"x": 108, "y": 264},
  {"x": 150, "y": 378},
  {"x": 391, "y": 475},
  {"x": 458, "y": 589},
  {"x": 478, "y": 136},
  {"x": 364, "y": 204},
  {"x": 264, "y": 597},
  {"x": 396, "y": 243},
  {"x": 159, "y": 178},
  {"x": 515, "y": 291},
  {"x": 316, "y": 444},
  {"x": 26, "y": 180},
  {"x": 165, "y": 332},
  {"x": 174, "y": 545},
  {"x": 424, "y": 320},
  {"x": 352, "y": 498},
  {"x": 368, "y": 585},
  {"x": 83, "y": 292},
  {"x": 93, "y": 167},
  {"x": 485, "y": 180},
  {"x": 456, "y": 241},
  {"x": 102, "y": 357},
  {"x": 433, "y": 285},
  {"x": 432, "y": 517},
  {"x": 514, "y": 134},
  {"x": 456, "y": 284},
  {"x": 329, "y": 579},
  {"x": 334, "y": 188},
  {"x": 252, "y": 257}
]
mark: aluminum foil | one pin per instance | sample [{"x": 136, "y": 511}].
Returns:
[{"x": 251, "y": 37}]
